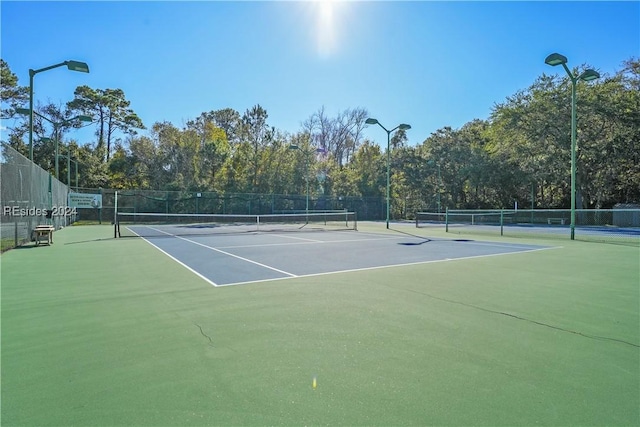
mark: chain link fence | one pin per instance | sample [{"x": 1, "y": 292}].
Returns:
[
  {"x": 185, "y": 202},
  {"x": 619, "y": 224},
  {"x": 29, "y": 196}
]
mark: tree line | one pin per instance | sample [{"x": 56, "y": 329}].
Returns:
[{"x": 521, "y": 153}]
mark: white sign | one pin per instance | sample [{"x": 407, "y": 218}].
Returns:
[{"x": 85, "y": 200}]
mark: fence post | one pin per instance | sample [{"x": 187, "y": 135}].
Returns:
[
  {"x": 100, "y": 208},
  {"x": 446, "y": 220},
  {"x": 115, "y": 214}
]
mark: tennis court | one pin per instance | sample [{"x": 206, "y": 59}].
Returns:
[
  {"x": 240, "y": 259},
  {"x": 371, "y": 327},
  {"x": 224, "y": 254}
]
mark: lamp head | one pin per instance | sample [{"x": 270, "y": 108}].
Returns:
[
  {"x": 555, "y": 59},
  {"x": 404, "y": 126},
  {"x": 77, "y": 66},
  {"x": 293, "y": 147},
  {"x": 24, "y": 111},
  {"x": 84, "y": 118},
  {"x": 371, "y": 121},
  {"x": 589, "y": 75}
]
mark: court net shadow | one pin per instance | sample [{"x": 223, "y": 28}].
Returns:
[{"x": 424, "y": 240}]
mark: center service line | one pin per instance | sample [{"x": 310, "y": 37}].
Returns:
[{"x": 238, "y": 257}]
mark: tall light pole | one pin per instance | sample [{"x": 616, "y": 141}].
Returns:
[
  {"x": 56, "y": 126},
  {"x": 439, "y": 189},
  {"x": 307, "y": 153},
  {"x": 437, "y": 164},
  {"x": 402, "y": 126},
  {"x": 68, "y": 157},
  {"x": 71, "y": 65},
  {"x": 588, "y": 75}
]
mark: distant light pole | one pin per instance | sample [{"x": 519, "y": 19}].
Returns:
[
  {"x": 68, "y": 156},
  {"x": 71, "y": 65},
  {"x": 402, "y": 126},
  {"x": 433, "y": 162},
  {"x": 56, "y": 126},
  {"x": 588, "y": 75},
  {"x": 307, "y": 153}
]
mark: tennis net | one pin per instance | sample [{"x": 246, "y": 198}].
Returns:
[
  {"x": 479, "y": 218},
  {"x": 160, "y": 224}
]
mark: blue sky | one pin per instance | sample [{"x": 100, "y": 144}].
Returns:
[{"x": 429, "y": 64}]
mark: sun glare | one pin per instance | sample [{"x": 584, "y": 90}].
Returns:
[{"x": 326, "y": 36}]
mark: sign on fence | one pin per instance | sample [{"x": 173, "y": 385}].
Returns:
[{"x": 85, "y": 200}]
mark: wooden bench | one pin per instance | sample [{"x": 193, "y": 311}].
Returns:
[
  {"x": 44, "y": 234},
  {"x": 555, "y": 221}
]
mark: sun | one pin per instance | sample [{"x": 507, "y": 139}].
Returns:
[{"x": 326, "y": 28}]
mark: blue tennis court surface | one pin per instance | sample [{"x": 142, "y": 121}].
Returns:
[{"x": 233, "y": 259}]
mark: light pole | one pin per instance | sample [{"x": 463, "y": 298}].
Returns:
[
  {"x": 68, "y": 156},
  {"x": 56, "y": 126},
  {"x": 439, "y": 189},
  {"x": 402, "y": 126},
  {"x": 307, "y": 153},
  {"x": 71, "y": 65},
  {"x": 588, "y": 75},
  {"x": 437, "y": 164}
]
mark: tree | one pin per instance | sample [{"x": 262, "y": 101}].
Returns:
[
  {"x": 11, "y": 95},
  {"x": 92, "y": 170},
  {"x": 214, "y": 148},
  {"x": 530, "y": 133},
  {"x": 228, "y": 120},
  {"x": 366, "y": 172},
  {"x": 111, "y": 112},
  {"x": 608, "y": 159},
  {"x": 214, "y": 153},
  {"x": 339, "y": 136},
  {"x": 256, "y": 135},
  {"x": 399, "y": 139}
]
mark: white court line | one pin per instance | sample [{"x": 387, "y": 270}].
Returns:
[
  {"x": 291, "y": 275},
  {"x": 385, "y": 266},
  {"x": 216, "y": 250},
  {"x": 177, "y": 260},
  {"x": 312, "y": 242},
  {"x": 472, "y": 242},
  {"x": 236, "y": 256},
  {"x": 499, "y": 245},
  {"x": 298, "y": 238}
]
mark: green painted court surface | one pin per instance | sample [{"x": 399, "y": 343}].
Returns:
[{"x": 103, "y": 331}]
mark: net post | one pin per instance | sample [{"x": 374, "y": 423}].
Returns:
[
  {"x": 501, "y": 222},
  {"x": 100, "y": 208},
  {"x": 446, "y": 220},
  {"x": 115, "y": 215}
]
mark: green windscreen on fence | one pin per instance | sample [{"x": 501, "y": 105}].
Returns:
[
  {"x": 209, "y": 202},
  {"x": 27, "y": 194},
  {"x": 621, "y": 223},
  {"x": 161, "y": 225}
]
